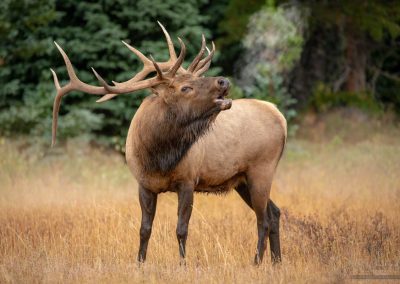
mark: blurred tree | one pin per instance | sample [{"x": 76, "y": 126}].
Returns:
[
  {"x": 273, "y": 45},
  {"x": 385, "y": 74},
  {"x": 232, "y": 28},
  {"x": 359, "y": 22},
  {"x": 91, "y": 33},
  {"x": 348, "y": 45},
  {"x": 24, "y": 49}
]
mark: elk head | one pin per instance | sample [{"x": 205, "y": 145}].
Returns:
[{"x": 183, "y": 90}]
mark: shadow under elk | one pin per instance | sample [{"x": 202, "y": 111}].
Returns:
[{"x": 188, "y": 137}]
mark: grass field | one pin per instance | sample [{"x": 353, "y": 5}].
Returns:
[{"x": 73, "y": 216}]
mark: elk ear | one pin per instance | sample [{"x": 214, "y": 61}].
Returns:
[{"x": 163, "y": 91}]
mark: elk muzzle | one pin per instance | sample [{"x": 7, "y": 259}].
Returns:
[{"x": 223, "y": 83}]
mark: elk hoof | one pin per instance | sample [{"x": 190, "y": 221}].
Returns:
[
  {"x": 257, "y": 260},
  {"x": 182, "y": 262}
]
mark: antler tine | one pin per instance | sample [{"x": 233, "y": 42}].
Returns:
[
  {"x": 158, "y": 70},
  {"x": 171, "y": 48},
  {"x": 205, "y": 63},
  {"x": 100, "y": 79},
  {"x": 110, "y": 96},
  {"x": 141, "y": 56},
  {"x": 73, "y": 84},
  {"x": 198, "y": 57},
  {"x": 179, "y": 61},
  {"x": 172, "y": 53},
  {"x": 56, "y": 105},
  {"x": 148, "y": 67},
  {"x": 106, "y": 97},
  {"x": 207, "y": 59}
]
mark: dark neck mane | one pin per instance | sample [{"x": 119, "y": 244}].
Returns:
[{"x": 166, "y": 135}]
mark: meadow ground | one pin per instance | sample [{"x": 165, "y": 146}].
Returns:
[{"x": 73, "y": 216}]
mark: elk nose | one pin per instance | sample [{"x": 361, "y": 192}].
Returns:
[{"x": 223, "y": 83}]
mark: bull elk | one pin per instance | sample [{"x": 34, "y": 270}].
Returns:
[{"x": 188, "y": 137}]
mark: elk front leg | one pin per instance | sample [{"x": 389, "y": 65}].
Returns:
[
  {"x": 148, "y": 203},
  {"x": 185, "y": 204}
]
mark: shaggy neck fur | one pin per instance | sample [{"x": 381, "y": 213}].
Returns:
[{"x": 168, "y": 135}]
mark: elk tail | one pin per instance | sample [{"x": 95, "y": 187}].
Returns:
[{"x": 283, "y": 148}]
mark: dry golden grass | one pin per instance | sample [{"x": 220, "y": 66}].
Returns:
[{"x": 75, "y": 218}]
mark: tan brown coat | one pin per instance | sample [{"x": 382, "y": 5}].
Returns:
[{"x": 246, "y": 140}]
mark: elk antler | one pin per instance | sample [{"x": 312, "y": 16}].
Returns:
[
  {"x": 144, "y": 84},
  {"x": 205, "y": 63},
  {"x": 138, "y": 82},
  {"x": 148, "y": 64},
  {"x": 74, "y": 84},
  {"x": 198, "y": 57}
]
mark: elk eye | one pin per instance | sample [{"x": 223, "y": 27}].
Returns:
[{"x": 186, "y": 89}]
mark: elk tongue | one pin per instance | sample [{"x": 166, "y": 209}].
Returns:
[{"x": 224, "y": 104}]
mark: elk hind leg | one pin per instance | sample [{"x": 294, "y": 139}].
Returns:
[
  {"x": 259, "y": 181},
  {"x": 273, "y": 215}
]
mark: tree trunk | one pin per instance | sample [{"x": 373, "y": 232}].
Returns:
[{"x": 356, "y": 60}]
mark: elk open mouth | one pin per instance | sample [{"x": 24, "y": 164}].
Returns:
[{"x": 222, "y": 102}]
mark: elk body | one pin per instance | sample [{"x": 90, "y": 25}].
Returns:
[{"x": 188, "y": 137}]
